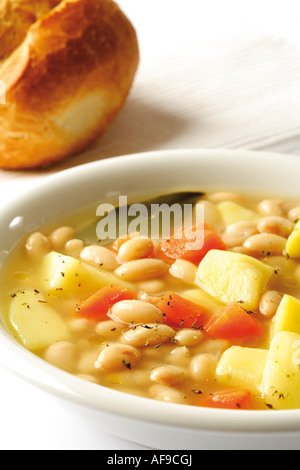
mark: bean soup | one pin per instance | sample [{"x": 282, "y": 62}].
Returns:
[{"x": 212, "y": 325}]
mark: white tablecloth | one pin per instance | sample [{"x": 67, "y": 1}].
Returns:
[{"x": 212, "y": 74}]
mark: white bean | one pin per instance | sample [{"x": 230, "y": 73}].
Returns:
[
  {"x": 236, "y": 234},
  {"x": 100, "y": 256},
  {"x": 265, "y": 244},
  {"x": 271, "y": 207},
  {"x": 135, "y": 311},
  {"x": 37, "y": 245},
  {"x": 203, "y": 367},
  {"x": 80, "y": 325},
  {"x": 167, "y": 375},
  {"x": 283, "y": 265},
  {"x": 239, "y": 249},
  {"x": 74, "y": 247},
  {"x": 134, "y": 249},
  {"x": 117, "y": 356},
  {"x": 62, "y": 354},
  {"x": 152, "y": 299},
  {"x": 188, "y": 337},
  {"x": 213, "y": 348},
  {"x": 180, "y": 356},
  {"x": 294, "y": 214},
  {"x": 110, "y": 329},
  {"x": 154, "y": 286},
  {"x": 184, "y": 270},
  {"x": 270, "y": 302},
  {"x": 61, "y": 236},
  {"x": 276, "y": 225},
  {"x": 141, "y": 270},
  {"x": 153, "y": 334}
]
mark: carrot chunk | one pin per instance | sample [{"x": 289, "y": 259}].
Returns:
[
  {"x": 97, "y": 306},
  {"x": 182, "y": 313},
  {"x": 192, "y": 244},
  {"x": 119, "y": 242},
  {"x": 229, "y": 399},
  {"x": 234, "y": 322}
]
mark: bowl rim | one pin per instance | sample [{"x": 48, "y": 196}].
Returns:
[{"x": 61, "y": 384}]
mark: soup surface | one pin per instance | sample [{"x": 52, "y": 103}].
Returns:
[{"x": 209, "y": 321}]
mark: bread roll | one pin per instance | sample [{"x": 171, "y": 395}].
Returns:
[{"x": 67, "y": 67}]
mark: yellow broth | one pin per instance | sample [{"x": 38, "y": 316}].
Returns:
[{"x": 46, "y": 279}]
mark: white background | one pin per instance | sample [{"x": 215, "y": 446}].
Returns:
[{"x": 212, "y": 73}]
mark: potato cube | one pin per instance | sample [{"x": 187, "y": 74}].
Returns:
[
  {"x": 241, "y": 367},
  {"x": 231, "y": 212},
  {"x": 287, "y": 317},
  {"x": 293, "y": 243},
  {"x": 36, "y": 323},
  {"x": 281, "y": 382},
  {"x": 67, "y": 276},
  {"x": 233, "y": 277}
]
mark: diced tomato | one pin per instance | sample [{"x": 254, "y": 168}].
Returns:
[
  {"x": 229, "y": 399},
  {"x": 97, "y": 306},
  {"x": 234, "y": 322},
  {"x": 192, "y": 244},
  {"x": 182, "y": 313}
]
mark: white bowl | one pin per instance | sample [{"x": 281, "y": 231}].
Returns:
[{"x": 148, "y": 422}]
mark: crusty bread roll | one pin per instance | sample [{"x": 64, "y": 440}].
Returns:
[{"x": 67, "y": 67}]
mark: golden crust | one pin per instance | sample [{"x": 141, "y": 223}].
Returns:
[{"x": 68, "y": 67}]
